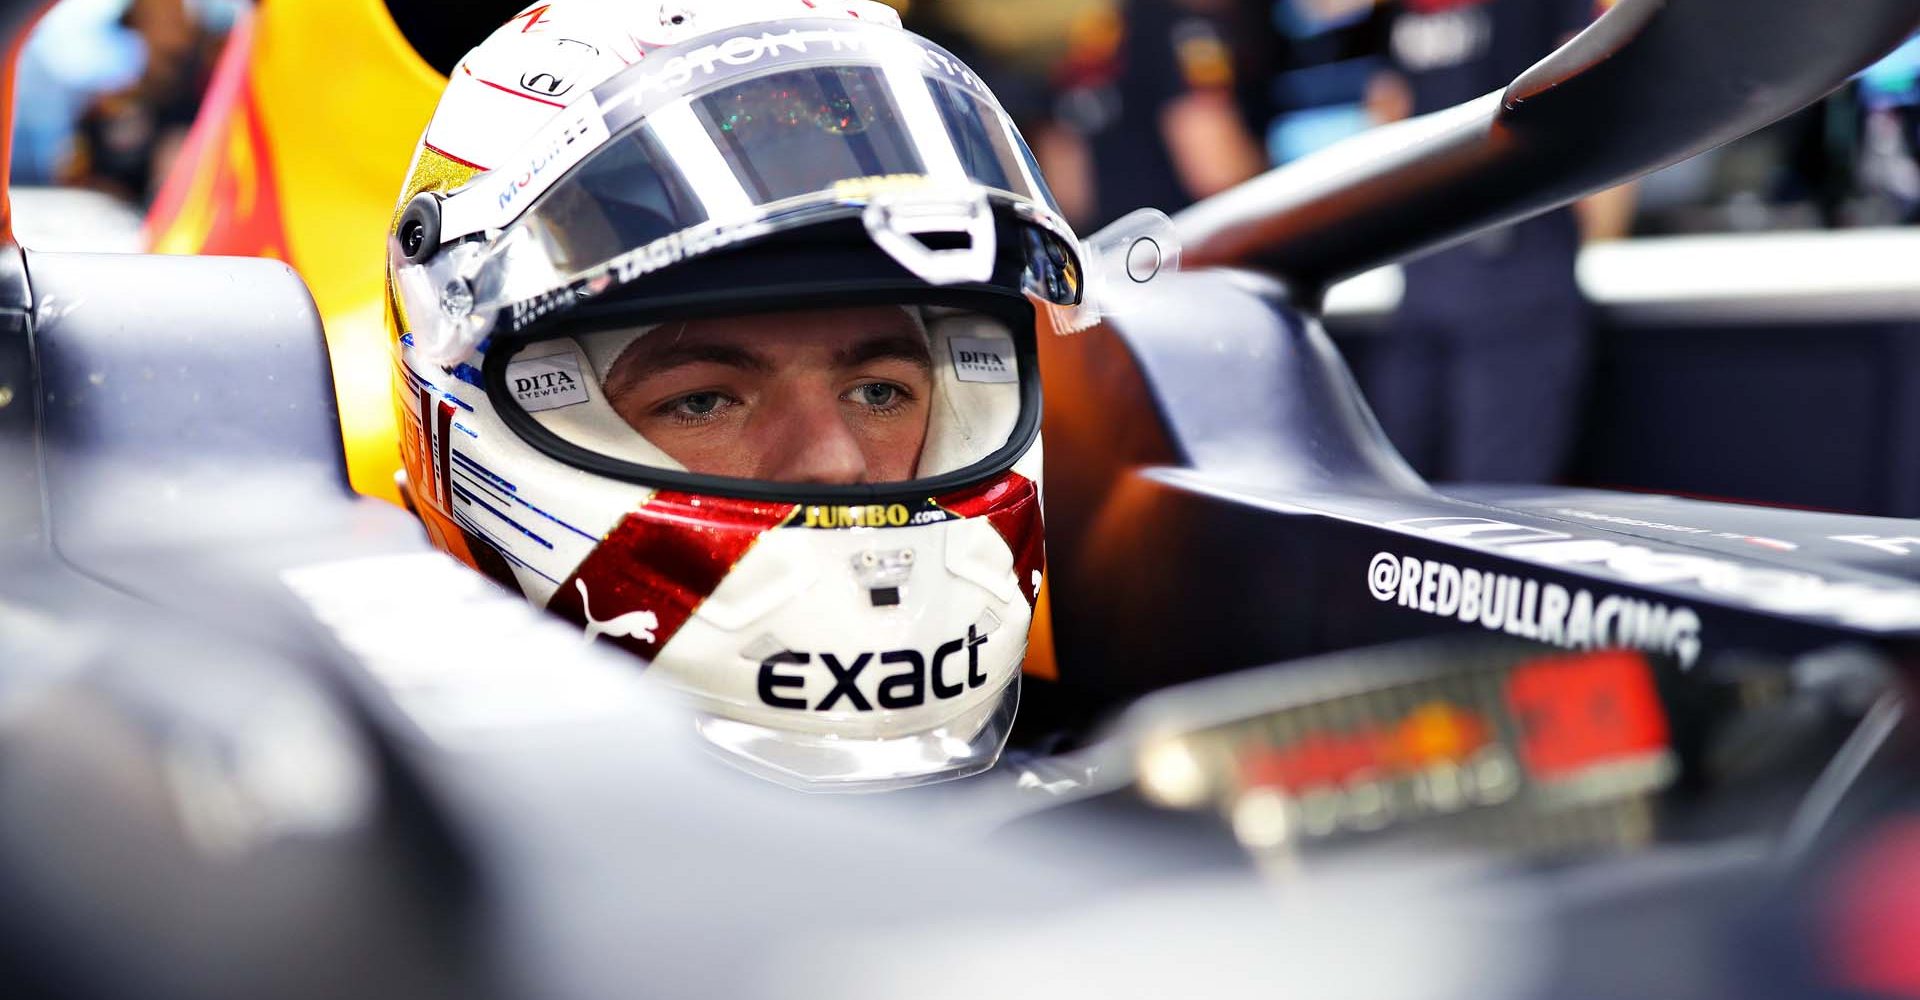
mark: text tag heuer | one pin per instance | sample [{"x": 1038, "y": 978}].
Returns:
[
  {"x": 980, "y": 360},
  {"x": 547, "y": 383}
]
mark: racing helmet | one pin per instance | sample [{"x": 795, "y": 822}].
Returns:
[{"x": 644, "y": 254}]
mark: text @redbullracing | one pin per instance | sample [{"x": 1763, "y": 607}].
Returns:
[{"x": 1544, "y": 612}]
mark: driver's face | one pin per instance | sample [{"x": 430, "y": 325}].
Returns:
[{"x": 835, "y": 396}]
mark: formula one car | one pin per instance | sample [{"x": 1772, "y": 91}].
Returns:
[{"x": 1493, "y": 742}]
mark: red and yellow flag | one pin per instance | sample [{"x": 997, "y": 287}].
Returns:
[{"x": 299, "y": 154}]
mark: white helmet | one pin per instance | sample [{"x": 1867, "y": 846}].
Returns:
[{"x": 639, "y": 244}]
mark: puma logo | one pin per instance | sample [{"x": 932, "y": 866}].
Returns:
[{"x": 636, "y": 625}]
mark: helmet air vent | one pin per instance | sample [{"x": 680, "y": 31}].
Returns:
[{"x": 944, "y": 238}]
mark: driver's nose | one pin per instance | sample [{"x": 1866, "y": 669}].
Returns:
[{"x": 812, "y": 443}]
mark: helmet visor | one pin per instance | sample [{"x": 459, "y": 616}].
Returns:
[{"x": 841, "y": 132}]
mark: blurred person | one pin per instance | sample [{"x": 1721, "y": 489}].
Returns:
[
  {"x": 1149, "y": 90},
  {"x": 1321, "y": 55},
  {"x": 1483, "y": 370},
  {"x": 1889, "y": 156},
  {"x": 127, "y": 138},
  {"x": 80, "y": 50}
]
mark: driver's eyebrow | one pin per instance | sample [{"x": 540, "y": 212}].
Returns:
[
  {"x": 679, "y": 355},
  {"x": 900, "y": 346}
]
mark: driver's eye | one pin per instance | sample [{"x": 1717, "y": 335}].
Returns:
[
  {"x": 877, "y": 394},
  {"x": 697, "y": 404},
  {"x": 701, "y": 402}
]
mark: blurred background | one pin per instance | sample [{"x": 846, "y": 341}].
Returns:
[
  {"x": 1742, "y": 325},
  {"x": 1131, "y": 103},
  {"x": 105, "y": 94}
]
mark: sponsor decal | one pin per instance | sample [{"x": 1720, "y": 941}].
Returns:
[
  {"x": 548, "y": 383},
  {"x": 1588, "y": 727},
  {"x": 1630, "y": 522},
  {"x": 887, "y": 515},
  {"x": 931, "y": 61},
  {"x": 1530, "y": 609},
  {"x": 1437, "y": 732},
  {"x": 545, "y": 304},
  {"x": 1765, "y": 588},
  {"x": 632, "y": 625},
  {"x": 578, "y": 133},
  {"x": 674, "y": 75},
  {"x": 982, "y": 360},
  {"x": 676, "y": 247},
  {"x": 1580, "y": 713},
  {"x": 570, "y": 56},
  {"x": 1366, "y": 779},
  {"x": 912, "y": 679},
  {"x": 633, "y": 265},
  {"x": 1893, "y": 546},
  {"x": 1633, "y": 522}
]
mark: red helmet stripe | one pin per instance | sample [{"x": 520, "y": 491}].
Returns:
[
  {"x": 1012, "y": 505},
  {"x": 664, "y": 560}
]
